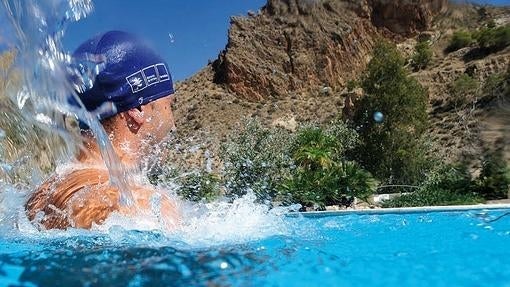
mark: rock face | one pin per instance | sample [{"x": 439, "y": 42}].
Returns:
[
  {"x": 288, "y": 64},
  {"x": 293, "y": 46},
  {"x": 405, "y": 17}
]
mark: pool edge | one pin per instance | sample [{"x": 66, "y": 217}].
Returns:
[{"x": 403, "y": 210}]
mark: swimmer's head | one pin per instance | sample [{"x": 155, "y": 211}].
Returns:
[{"x": 132, "y": 74}]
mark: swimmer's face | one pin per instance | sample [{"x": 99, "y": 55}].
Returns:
[{"x": 159, "y": 118}]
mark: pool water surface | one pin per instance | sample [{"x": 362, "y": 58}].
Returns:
[{"x": 449, "y": 248}]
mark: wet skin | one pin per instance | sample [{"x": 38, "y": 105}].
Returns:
[{"x": 83, "y": 196}]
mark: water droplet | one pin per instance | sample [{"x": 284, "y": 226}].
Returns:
[
  {"x": 171, "y": 36},
  {"x": 378, "y": 117},
  {"x": 224, "y": 265},
  {"x": 22, "y": 97},
  {"x": 44, "y": 119}
]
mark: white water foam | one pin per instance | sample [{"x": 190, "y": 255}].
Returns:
[
  {"x": 202, "y": 225},
  {"x": 216, "y": 223}
]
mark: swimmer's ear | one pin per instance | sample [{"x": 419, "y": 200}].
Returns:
[{"x": 137, "y": 115}]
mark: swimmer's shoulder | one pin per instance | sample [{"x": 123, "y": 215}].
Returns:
[{"x": 58, "y": 199}]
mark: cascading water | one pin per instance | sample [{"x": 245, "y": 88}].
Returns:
[{"x": 49, "y": 78}]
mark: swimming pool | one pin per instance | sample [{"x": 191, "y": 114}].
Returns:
[{"x": 434, "y": 248}]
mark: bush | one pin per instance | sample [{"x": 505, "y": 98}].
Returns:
[
  {"x": 195, "y": 186},
  {"x": 460, "y": 39},
  {"x": 446, "y": 185},
  {"x": 422, "y": 55},
  {"x": 432, "y": 197},
  {"x": 392, "y": 148},
  {"x": 462, "y": 87},
  {"x": 356, "y": 182},
  {"x": 495, "y": 38},
  {"x": 496, "y": 86},
  {"x": 321, "y": 175},
  {"x": 199, "y": 186},
  {"x": 494, "y": 179},
  {"x": 256, "y": 159}
]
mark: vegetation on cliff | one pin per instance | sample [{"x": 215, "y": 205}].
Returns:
[
  {"x": 321, "y": 165},
  {"x": 489, "y": 39},
  {"x": 422, "y": 55}
]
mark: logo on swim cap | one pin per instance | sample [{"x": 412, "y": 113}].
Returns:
[
  {"x": 137, "y": 82},
  {"x": 147, "y": 77}
]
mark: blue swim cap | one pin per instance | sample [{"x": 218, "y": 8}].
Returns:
[{"x": 133, "y": 74}]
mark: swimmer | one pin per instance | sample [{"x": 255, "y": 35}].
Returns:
[{"x": 137, "y": 81}]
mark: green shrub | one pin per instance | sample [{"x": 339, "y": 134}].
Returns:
[
  {"x": 336, "y": 184},
  {"x": 321, "y": 176},
  {"x": 351, "y": 85},
  {"x": 391, "y": 149},
  {"x": 422, "y": 55},
  {"x": 463, "y": 87},
  {"x": 495, "y": 38},
  {"x": 460, "y": 39},
  {"x": 313, "y": 179},
  {"x": 446, "y": 185},
  {"x": 256, "y": 159},
  {"x": 432, "y": 197},
  {"x": 496, "y": 86},
  {"x": 356, "y": 182},
  {"x": 199, "y": 186},
  {"x": 307, "y": 167},
  {"x": 494, "y": 179}
]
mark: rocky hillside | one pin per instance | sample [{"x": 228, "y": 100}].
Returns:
[
  {"x": 464, "y": 132},
  {"x": 289, "y": 63}
]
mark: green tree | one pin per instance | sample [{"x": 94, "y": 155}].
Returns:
[{"x": 392, "y": 148}]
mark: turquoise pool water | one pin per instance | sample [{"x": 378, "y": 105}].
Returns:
[{"x": 453, "y": 248}]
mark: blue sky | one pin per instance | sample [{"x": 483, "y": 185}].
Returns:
[
  {"x": 494, "y": 2},
  {"x": 187, "y": 33}
]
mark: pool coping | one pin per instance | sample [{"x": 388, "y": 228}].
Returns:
[{"x": 403, "y": 210}]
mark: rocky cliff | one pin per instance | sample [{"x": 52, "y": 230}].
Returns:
[
  {"x": 289, "y": 63},
  {"x": 301, "y": 45},
  {"x": 404, "y": 17}
]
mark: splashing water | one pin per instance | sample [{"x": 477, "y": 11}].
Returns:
[{"x": 41, "y": 98}]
